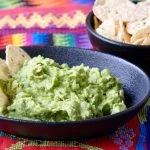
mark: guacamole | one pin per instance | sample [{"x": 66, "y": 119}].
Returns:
[{"x": 45, "y": 90}]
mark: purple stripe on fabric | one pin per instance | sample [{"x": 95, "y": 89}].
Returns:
[
  {"x": 52, "y": 30},
  {"x": 82, "y": 41}
]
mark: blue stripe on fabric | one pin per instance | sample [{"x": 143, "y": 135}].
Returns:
[
  {"x": 41, "y": 38},
  {"x": 142, "y": 137},
  {"x": 84, "y": 2},
  {"x": 148, "y": 128}
]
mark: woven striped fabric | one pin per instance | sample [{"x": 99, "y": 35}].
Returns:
[{"x": 62, "y": 23}]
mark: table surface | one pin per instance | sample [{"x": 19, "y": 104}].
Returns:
[{"x": 62, "y": 23}]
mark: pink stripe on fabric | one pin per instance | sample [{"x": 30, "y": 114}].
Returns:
[{"x": 45, "y": 10}]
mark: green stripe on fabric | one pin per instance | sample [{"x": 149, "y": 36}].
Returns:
[
  {"x": 142, "y": 115},
  {"x": 63, "y": 40}
]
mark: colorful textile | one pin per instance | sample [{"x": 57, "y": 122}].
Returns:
[{"x": 62, "y": 23}]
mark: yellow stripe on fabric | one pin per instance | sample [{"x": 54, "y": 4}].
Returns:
[
  {"x": 18, "y": 39},
  {"x": 18, "y": 146},
  {"x": 22, "y": 144}
]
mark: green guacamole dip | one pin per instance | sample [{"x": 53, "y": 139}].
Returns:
[{"x": 44, "y": 90}]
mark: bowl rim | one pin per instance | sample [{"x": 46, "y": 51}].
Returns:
[
  {"x": 107, "y": 40},
  {"x": 92, "y": 120}
]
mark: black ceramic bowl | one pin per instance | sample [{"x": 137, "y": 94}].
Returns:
[
  {"x": 136, "y": 54},
  {"x": 135, "y": 83}
]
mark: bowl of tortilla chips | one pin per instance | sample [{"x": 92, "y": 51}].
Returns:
[{"x": 121, "y": 28}]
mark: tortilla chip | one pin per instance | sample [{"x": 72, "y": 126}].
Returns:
[
  {"x": 127, "y": 36},
  {"x": 15, "y": 58},
  {"x": 146, "y": 40},
  {"x": 4, "y": 71},
  {"x": 145, "y": 4},
  {"x": 116, "y": 9},
  {"x": 100, "y": 12},
  {"x": 107, "y": 29},
  {"x": 134, "y": 27},
  {"x": 141, "y": 33},
  {"x": 99, "y": 2},
  {"x": 96, "y": 22},
  {"x": 139, "y": 41},
  {"x": 122, "y": 35}
]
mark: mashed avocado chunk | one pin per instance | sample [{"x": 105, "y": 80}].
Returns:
[{"x": 44, "y": 90}]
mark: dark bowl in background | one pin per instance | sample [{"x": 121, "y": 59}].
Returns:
[
  {"x": 139, "y": 55},
  {"x": 135, "y": 83}
]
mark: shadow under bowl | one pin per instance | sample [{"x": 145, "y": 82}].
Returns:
[{"x": 135, "y": 84}]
